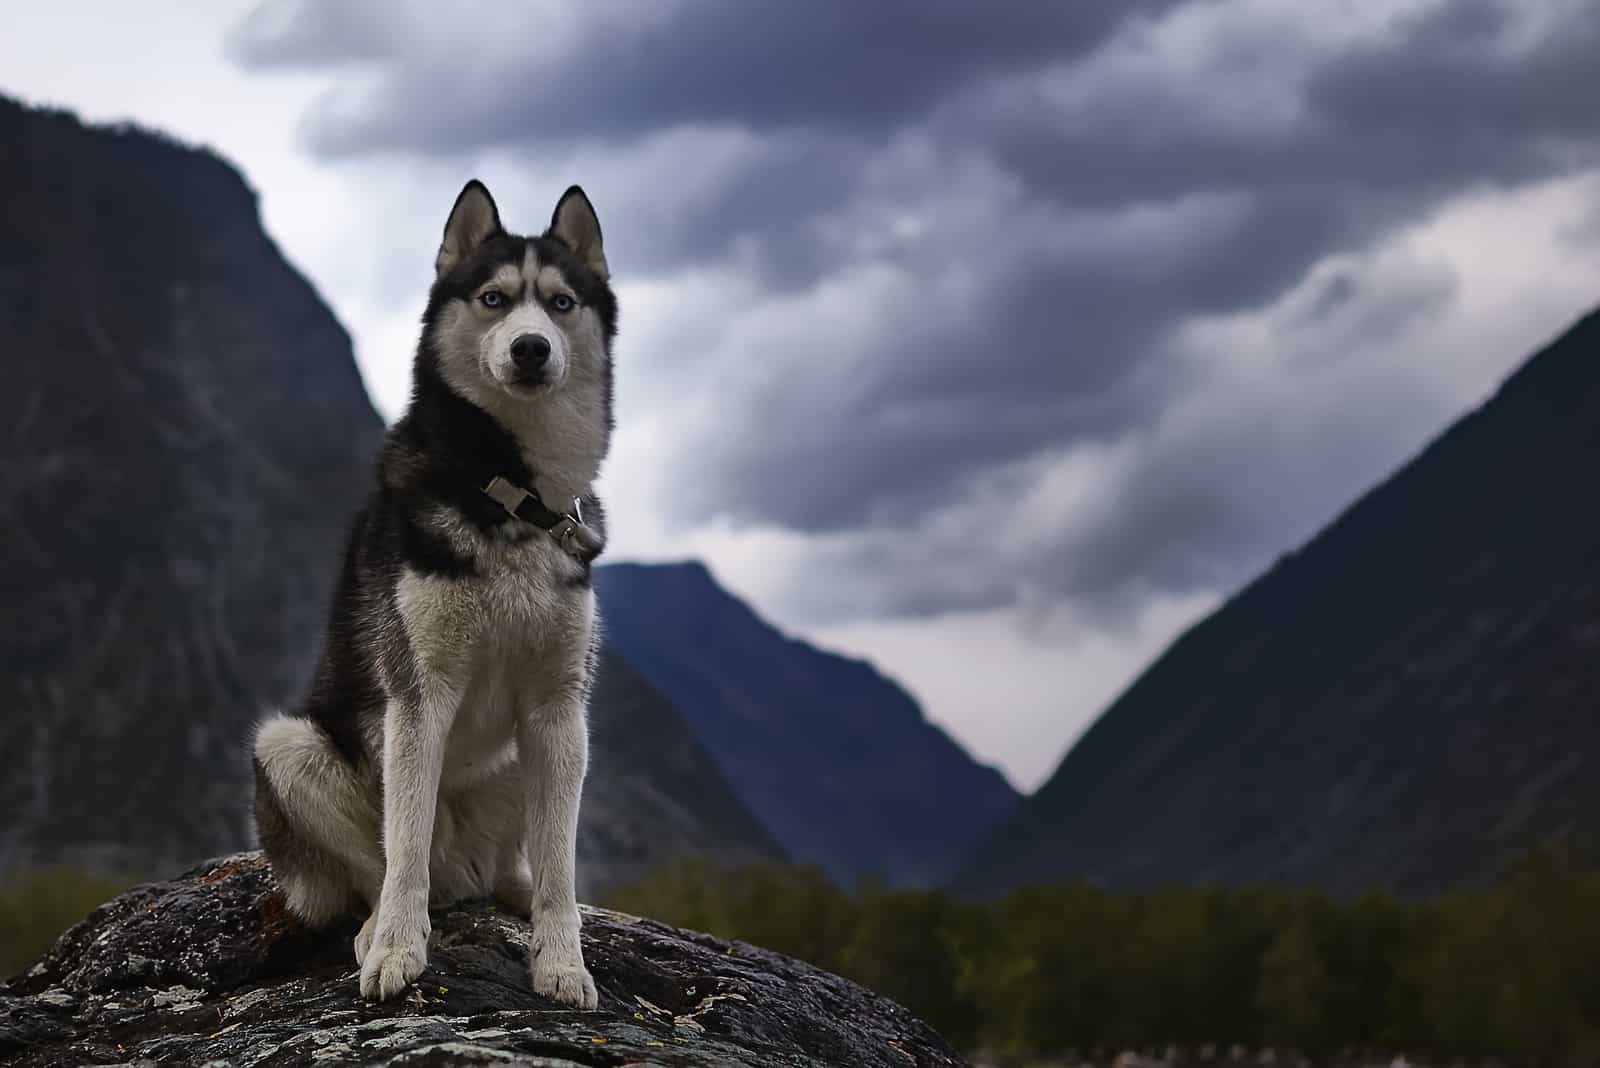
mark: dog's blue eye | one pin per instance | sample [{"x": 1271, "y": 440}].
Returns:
[
  {"x": 492, "y": 298},
  {"x": 561, "y": 302}
]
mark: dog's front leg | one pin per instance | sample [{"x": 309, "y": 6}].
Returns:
[
  {"x": 414, "y": 732},
  {"x": 553, "y": 741}
]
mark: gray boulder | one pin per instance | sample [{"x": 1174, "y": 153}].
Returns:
[{"x": 209, "y": 969}]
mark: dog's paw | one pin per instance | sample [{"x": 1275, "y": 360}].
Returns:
[
  {"x": 389, "y": 970},
  {"x": 556, "y": 961},
  {"x": 568, "y": 982},
  {"x": 364, "y": 938},
  {"x": 391, "y": 963}
]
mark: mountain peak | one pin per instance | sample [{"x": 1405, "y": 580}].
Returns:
[{"x": 1401, "y": 704}]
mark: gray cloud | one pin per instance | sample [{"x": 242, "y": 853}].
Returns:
[
  {"x": 1462, "y": 95},
  {"x": 1016, "y": 212},
  {"x": 623, "y": 71}
]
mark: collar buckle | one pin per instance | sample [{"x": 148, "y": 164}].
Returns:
[
  {"x": 568, "y": 526},
  {"x": 508, "y": 496},
  {"x": 565, "y": 530}
]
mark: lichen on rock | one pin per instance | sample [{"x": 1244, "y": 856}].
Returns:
[{"x": 210, "y": 969}]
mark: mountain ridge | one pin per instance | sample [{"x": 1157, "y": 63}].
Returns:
[
  {"x": 1339, "y": 721},
  {"x": 832, "y": 755}
]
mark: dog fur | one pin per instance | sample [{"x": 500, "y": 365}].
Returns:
[{"x": 441, "y": 751}]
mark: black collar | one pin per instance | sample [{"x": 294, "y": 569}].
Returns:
[{"x": 568, "y": 528}]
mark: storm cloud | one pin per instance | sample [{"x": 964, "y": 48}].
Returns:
[{"x": 1006, "y": 304}]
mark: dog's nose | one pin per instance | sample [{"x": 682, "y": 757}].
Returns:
[{"x": 529, "y": 352}]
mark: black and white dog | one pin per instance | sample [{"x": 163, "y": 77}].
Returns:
[{"x": 442, "y": 749}]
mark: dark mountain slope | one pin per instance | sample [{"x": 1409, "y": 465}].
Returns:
[
  {"x": 653, "y": 794},
  {"x": 835, "y": 759},
  {"x": 1408, "y": 702},
  {"x": 187, "y": 437},
  {"x": 186, "y": 433}
]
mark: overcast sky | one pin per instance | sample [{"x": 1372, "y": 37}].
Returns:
[{"x": 994, "y": 342}]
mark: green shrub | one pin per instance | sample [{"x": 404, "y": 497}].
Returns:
[
  {"x": 37, "y": 906},
  {"x": 1511, "y": 972}
]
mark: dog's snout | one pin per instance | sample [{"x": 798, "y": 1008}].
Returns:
[{"x": 530, "y": 352}]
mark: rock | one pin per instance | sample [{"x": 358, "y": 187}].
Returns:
[{"x": 210, "y": 969}]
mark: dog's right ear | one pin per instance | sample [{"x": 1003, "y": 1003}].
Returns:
[{"x": 472, "y": 221}]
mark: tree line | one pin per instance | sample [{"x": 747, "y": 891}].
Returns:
[
  {"x": 1511, "y": 972},
  {"x": 1508, "y": 972}
]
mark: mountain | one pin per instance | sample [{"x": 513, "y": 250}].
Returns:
[
  {"x": 836, "y": 760},
  {"x": 186, "y": 431},
  {"x": 187, "y": 438},
  {"x": 1408, "y": 702},
  {"x": 653, "y": 793}
]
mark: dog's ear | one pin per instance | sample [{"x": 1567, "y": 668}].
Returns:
[
  {"x": 472, "y": 221},
  {"x": 574, "y": 224}
]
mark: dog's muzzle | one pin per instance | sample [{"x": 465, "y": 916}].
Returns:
[{"x": 529, "y": 355}]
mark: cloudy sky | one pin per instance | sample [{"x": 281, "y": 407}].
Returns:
[{"x": 995, "y": 342}]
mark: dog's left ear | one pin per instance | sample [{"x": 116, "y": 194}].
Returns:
[
  {"x": 574, "y": 224},
  {"x": 473, "y": 220}
]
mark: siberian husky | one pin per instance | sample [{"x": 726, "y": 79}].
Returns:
[{"x": 442, "y": 749}]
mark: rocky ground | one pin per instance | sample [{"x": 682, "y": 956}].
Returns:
[{"x": 209, "y": 969}]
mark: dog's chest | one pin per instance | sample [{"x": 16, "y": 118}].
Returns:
[
  {"x": 528, "y": 588},
  {"x": 511, "y": 636},
  {"x": 525, "y": 607}
]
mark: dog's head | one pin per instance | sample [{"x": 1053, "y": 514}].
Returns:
[{"x": 512, "y": 318}]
